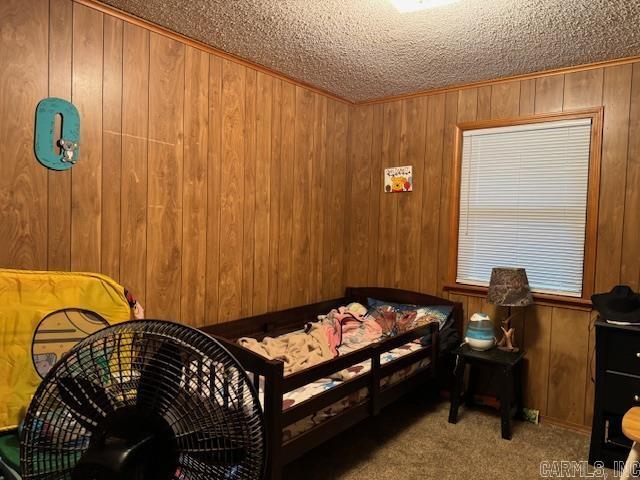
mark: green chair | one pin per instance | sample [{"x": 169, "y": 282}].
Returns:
[{"x": 9, "y": 456}]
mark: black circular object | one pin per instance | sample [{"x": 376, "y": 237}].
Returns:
[{"x": 145, "y": 399}]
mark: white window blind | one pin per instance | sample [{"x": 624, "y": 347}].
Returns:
[{"x": 523, "y": 203}]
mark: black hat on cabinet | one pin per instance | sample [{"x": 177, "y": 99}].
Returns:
[{"x": 621, "y": 304}]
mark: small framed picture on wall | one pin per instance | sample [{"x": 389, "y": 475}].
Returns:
[{"x": 398, "y": 179}]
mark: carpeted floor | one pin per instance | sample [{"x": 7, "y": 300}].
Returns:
[{"x": 412, "y": 439}]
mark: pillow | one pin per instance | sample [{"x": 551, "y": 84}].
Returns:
[
  {"x": 399, "y": 307},
  {"x": 423, "y": 314},
  {"x": 405, "y": 321},
  {"x": 385, "y": 316},
  {"x": 433, "y": 313}
]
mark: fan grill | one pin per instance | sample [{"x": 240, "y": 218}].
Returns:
[{"x": 171, "y": 392}]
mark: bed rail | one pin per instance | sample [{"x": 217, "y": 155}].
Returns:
[
  {"x": 273, "y": 323},
  {"x": 325, "y": 369}
]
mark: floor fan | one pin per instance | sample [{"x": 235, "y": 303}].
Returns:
[{"x": 145, "y": 400}]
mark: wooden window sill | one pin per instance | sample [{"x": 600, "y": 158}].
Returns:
[{"x": 539, "y": 298}]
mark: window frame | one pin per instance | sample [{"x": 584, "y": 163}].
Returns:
[{"x": 593, "y": 196}]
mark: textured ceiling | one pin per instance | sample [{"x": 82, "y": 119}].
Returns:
[{"x": 365, "y": 49}]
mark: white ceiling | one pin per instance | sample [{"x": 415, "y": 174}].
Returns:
[{"x": 365, "y": 49}]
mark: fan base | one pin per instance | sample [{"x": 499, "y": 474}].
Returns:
[{"x": 130, "y": 444}]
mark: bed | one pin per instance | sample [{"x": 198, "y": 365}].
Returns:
[{"x": 308, "y": 407}]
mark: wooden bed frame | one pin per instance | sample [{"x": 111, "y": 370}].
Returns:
[{"x": 276, "y": 384}]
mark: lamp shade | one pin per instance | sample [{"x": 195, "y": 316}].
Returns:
[{"x": 509, "y": 287}]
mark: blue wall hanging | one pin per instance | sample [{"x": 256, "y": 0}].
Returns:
[{"x": 45, "y": 130}]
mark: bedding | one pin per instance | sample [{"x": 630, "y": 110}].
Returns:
[
  {"x": 346, "y": 328},
  {"x": 298, "y": 350},
  {"x": 306, "y": 392},
  {"x": 397, "y": 318},
  {"x": 339, "y": 332},
  {"x": 350, "y": 328},
  {"x": 448, "y": 333}
]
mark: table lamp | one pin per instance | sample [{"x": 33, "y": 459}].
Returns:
[{"x": 509, "y": 287}]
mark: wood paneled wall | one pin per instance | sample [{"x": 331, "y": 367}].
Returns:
[
  {"x": 403, "y": 240},
  {"x": 209, "y": 189}
]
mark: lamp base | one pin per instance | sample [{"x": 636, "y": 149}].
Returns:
[{"x": 506, "y": 342}]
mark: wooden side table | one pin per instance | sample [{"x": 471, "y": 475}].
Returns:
[{"x": 509, "y": 368}]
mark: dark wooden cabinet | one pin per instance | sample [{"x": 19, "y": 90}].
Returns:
[{"x": 617, "y": 376}]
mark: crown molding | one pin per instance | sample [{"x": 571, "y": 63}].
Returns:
[{"x": 484, "y": 83}]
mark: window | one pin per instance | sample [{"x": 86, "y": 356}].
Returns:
[{"x": 525, "y": 197}]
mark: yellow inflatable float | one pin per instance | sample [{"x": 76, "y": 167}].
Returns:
[{"x": 42, "y": 315}]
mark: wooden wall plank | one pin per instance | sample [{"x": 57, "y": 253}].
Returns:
[
  {"x": 59, "y": 183},
  {"x": 262, "y": 232},
  {"x": 194, "y": 191},
  {"x": 589, "y": 397},
  {"x": 505, "y": 100},
  {"x": 431, "y": 194},
  {"x": 451, "y": 115},
  {"x": 467, "y": 108},
  {"x": 301, "y": 186},
  {"x": 329, "y": 230},
  {"x": 249, "y": 197},
  {"x": 468, "y": 103},
  {"x": 583, "y": 89},
  {"x": 111, "y": 146},
  {"x": 616, "y": 100},
  {"x": 498, "y": 315},
  {"x": 630, "y": 267},
  {"x": 484, "y": 102},
  {"x": 537, "y": 343},
  {"x": 319, "y": 185},
  {"x": 231, "y": 190},
  {"x": 338, "y": 199},
  {"x": 23, "y": 206},
  {"x": 375, "y": 194},
  {"x": 359, "y": 183},
  {"x": 387, "y": 233},
  {"x": 274, "y": 185},
  {"x": 567, "y": 365},
  {"x": 408, "y": 223},
  {"x": 133, "y": 191},
  {"x": 464, "y": 300},
  {"x": 165, "y": 176},
  {"x": 286, "y": 194},
  {"x": 86, "y": 177},
  {"x": 214, "y": 161},
  {"x": 549, "y": 94},
  {"x": 475, "y": 304},
  {"x": 527, "y": 97}
]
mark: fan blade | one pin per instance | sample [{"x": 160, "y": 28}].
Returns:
[
  {"x": 214, "y": 444},
  {"x": 160, "y": 379},
  {"x": 223, "y": 456},
  {"x": 89, "y": 403}
]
